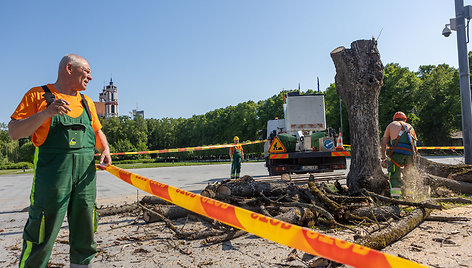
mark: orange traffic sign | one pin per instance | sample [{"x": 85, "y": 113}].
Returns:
[{"x": 277, "y": 146}]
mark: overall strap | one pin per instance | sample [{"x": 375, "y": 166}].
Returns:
[
  {"x": 50, "y": 98},
  {"x": 86, "y": 107},
  {"x": 396, "y": 141}
]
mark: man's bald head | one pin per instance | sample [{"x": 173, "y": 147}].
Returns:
[
  {"x": 74, "y": 73},
  {"x": 73, "y": 59}
]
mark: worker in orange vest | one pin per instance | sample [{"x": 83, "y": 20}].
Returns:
[
  {"x": 402, "y": 139},
  {"x": 237, "y": 156}
]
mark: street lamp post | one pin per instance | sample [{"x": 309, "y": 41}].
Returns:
[{"x": 461, "y": 14}]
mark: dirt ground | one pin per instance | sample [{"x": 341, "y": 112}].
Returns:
[{"x": 126, "y": 241}]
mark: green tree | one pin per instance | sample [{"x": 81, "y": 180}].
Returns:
[
  {"x": 438, "y": 104},
  {"x": 398, "y": 93},
  {"x": 333, "y": 118}
]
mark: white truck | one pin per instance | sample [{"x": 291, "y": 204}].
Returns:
[{"x": 301, "y": 143}]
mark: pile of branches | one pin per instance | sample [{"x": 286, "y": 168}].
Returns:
[{"x": 375, "y": 220}]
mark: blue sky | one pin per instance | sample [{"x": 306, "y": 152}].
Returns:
[{"x": 179, "y": 58}]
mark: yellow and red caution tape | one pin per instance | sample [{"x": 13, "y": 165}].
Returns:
[
  {"x": 440, "y": 147},
  {"x": 432, "y": 147},
  {"x": 219, "y": 146},
  {"x": 188, "y": 149},
  {"x": 284, "y": 233}
]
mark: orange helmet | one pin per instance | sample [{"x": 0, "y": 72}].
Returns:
[{"x": 399, "y": 115}]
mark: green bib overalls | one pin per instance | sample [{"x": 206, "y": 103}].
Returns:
[
  {"x": 399, "y": 159},
  {"x": 236, "y": 164},
  {"x": 64, "y": 181}
]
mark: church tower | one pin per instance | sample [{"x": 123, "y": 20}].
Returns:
[{"x": 110, "y": 98}]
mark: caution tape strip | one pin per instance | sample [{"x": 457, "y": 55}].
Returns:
[
  {"x": 439, "y": 148},
  {"x": 284, "y": 233},
  {"x": 188, "y": 149},
  {"x": 432, "y": 147}
]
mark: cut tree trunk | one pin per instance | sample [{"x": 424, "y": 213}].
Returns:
[
  {"x": 359, "y": 77},
  {"x": 455, "y": 172},
  {"x": 456, "y": 186}
]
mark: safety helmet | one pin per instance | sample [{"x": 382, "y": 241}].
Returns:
[
  {"x": 236, "y": 138},
  {"x": 399, "y": 115}
]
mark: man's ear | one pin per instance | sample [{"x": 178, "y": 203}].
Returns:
[{"x": 69, "y": 68}]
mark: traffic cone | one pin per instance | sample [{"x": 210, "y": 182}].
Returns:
[{"x": 339, "y": 143}]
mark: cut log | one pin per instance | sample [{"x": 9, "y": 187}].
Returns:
[
  {"x": 246, "y": 187},
  {"x": 382, "y": 213},
  {"x": 456, "y": 186},
  {"x": 153, "y": 200},
  {"x": 170, "y": 212},
  {"x": 381, "y": 239},
  {"x": 108, "y": 211}
]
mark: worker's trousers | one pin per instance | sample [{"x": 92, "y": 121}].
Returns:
[
  {"x": 236, "y": 166},
  {"x": 63, "y": 182},
  {"x": 395, "y": 173}
]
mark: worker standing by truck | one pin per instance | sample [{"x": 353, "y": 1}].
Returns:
[
  {"x": 237, "y": 156},
  {"x": 402, "y": 138}
]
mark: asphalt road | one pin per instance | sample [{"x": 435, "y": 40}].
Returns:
[{"x": 15, "y": 189}]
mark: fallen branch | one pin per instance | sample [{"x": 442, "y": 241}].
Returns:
[
  {"x": 313, "y": 207},
  {"x": 395, "y": 231},
  {"x": 454, "y": 200},
  {"x": 400, "y": 202},
  {"x": 446, "y": 218},
  {"x": 223, "y": 238}
]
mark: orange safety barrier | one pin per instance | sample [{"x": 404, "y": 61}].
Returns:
[{"x": 284, "y": 233}]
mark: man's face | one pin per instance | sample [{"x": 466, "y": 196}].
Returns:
[{"x": 80, "y": 75}]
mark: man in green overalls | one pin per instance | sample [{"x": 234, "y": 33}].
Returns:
[
  {"x": 65, "y": 130},
  {"x": 402, "y": 139},
  {"x": 237, "y": 155}
]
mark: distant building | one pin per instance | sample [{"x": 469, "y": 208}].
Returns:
[
  {"x": 108, "y": 101},
  {"x": 136, "y": 113}
]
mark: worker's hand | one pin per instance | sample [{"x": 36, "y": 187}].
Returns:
[
  {"x": 59, "y": 106},
  {"x": 384, "y": 163},
  {"x": 105, "y": 157}
]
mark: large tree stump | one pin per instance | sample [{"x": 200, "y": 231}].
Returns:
[{"x": 359, "y": 77}]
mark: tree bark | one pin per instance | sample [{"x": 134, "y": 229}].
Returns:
[{"x": 359, "y": 77}]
